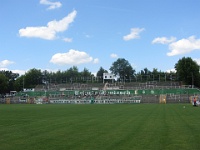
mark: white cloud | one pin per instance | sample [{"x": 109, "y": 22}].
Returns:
[
  {"x": 134, "y": 34},
  {"x": 5, "y": 63},
  {"x": 4, "y": 69},
  {"x": 72, "y": 57},
  {"x": 113, "y": 56},
  {"x": 52, "y": 5},
  {"x": 184, "y": 46},
  {"x": 171, "y": 70},
  {"x": 96, "y": 61},
  {"x": 49, "y": 32},
  {"x": 197, "y": 60},
  {"x": 163, "y": 40},
  {"x": 21, "y": 72},
  {"x": 94, "y": 73},
  {"x": 67, "y": 39}
]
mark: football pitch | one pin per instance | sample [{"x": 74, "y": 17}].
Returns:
[{"x": 99, "y": 127}]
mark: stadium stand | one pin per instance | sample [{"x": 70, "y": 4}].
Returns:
[{"x": 108, "y": 93}]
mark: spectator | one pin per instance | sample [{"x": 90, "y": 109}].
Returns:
[{"x": 195, "y": 101}]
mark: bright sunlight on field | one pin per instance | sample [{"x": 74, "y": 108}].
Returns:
[{"x": 91, "y": 127}]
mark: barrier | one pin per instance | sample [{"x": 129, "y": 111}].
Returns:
[
  {"x": 7, "y": 100},
  {"x": 162, "y": 99}
]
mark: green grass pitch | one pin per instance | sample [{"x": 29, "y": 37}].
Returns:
[{"x": 100, "y": 127}]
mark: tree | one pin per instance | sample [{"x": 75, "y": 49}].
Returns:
[
  {"x": 32, "y": 78},
  {"x": 155, "y": 71},
  {"x": 145, "y": 74},
  {"x": 85, "y": 74},
  {"x": 122, "y": 68},
  {"x": 3, "y": 84},
  {"x": 58, "y": 77},
  {"x": 73, "y": 73},
  {"x": 100, "y": 72},
  {"x": 187, "y": 71},
  {"x": 11, "y": 78},
  {"x": 19, "y": 83}
]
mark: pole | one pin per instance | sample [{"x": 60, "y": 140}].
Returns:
[
  {"x": 192, "y": 80},
  {"x": 23, "y": 83}
]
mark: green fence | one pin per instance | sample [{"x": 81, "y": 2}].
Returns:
[{"x": 110, "y": 92}]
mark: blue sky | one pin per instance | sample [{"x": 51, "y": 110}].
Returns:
[{"x": 58, "y": 34}]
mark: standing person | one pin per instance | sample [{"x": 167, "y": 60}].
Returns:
[{"x": 195, "y": 101}]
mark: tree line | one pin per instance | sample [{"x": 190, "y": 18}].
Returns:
[{"x": 187, "y": 72}]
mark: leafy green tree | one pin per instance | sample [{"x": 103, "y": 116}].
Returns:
[
  {"x": 11, "y": 78},
  {"x": 122, "y": 68},
  {"x": 58, "y": 76},
  {"x": 32, "y": 78},
  {"x": 9, "y": 74},
  {"x": 155, "y": 74},
  {"x": 73, "y": 73},
  {"x": 101, "y": 71},
  {"x": 19, "y": 83},
  {"x": 155, "y": 71},
  {"x": 3, "y": 84},
  {"x": 85, "y": 73},
  {"x": 145, "y": 74},
  {"x": 187, "y": 71}
]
